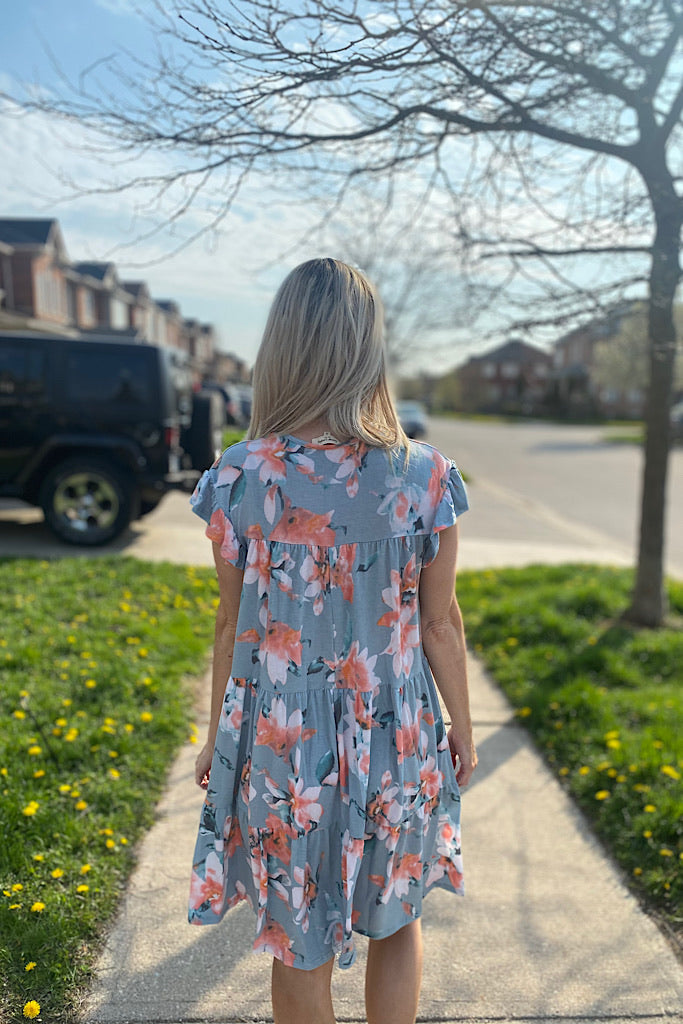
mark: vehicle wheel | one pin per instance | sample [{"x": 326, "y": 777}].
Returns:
[
  {"x": 87, "y": 501},
  {"x": 204, "y": 438}
]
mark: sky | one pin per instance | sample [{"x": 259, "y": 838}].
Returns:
[
  {"x": 229, "y": 276},
  {"x": 227, "y": 279}
]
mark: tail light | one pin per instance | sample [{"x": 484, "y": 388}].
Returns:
[{"x": 172, "y": 437}]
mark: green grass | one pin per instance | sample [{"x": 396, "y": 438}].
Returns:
[
  {"x": 603, "y": 701},
  {"x": 232, "y": 436},
  {"x": 96, "y": 658}
]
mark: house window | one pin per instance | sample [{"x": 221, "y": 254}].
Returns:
[
  {"x": 89, "y": 312},
  {"x": 541, "y": 370},
  {"x": 510, "y": 371},
  {"x": 488, "y": 370},
  {"x": 119, "y": 313}
]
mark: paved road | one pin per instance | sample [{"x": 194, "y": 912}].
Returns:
[{"x": 539, "y": 492}]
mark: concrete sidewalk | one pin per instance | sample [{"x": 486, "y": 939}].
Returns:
[{"x": 547, "y": 931}]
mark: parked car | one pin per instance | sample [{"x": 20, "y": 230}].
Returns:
[
  {"x": 237, "y": 401},
  {"x": 96, "y": 431},
  {"x": 413, "y": 418}
]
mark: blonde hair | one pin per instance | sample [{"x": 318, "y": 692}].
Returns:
[{"x": 323, "y": 355}]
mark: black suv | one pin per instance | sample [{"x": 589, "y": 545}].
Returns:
[{"x": 95, "y": 431}]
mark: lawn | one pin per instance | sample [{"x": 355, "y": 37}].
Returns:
[
  {"x": 603, "y": 701},
  {"x": 96, "y": 659}
]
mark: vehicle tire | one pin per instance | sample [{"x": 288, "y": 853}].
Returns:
[
  {"x": 203, "y": 440},
  {"x": 88, "y": 501}
]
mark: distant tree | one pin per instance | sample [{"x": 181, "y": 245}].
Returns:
[
  {"x": 555, "y": 128},
  {"x": 623, "y": 363}
]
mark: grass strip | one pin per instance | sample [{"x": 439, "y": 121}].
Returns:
[
  {"x": 603, "y": 702},
  {"x": 96, "y": 657}
]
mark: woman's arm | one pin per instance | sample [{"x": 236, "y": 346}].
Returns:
[
  {"x": 230, "y": 589},
  {"x": 443, "y": 640}
]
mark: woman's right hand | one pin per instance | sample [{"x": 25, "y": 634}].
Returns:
[
  {"x": 202, "y": 766},
  {"x": 466, "y": 755}
]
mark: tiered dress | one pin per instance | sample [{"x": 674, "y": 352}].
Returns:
[{"x": 332, "y": 804}]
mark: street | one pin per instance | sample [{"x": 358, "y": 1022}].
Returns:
[{"x": 558, "y": 493}]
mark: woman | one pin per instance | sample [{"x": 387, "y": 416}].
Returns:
[{"x": 332, "y": 800}]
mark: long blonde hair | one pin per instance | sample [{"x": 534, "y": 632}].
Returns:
[{"x": 323, "y": 355}]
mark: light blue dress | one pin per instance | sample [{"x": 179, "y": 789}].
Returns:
[{"x": 332, "y": 804}]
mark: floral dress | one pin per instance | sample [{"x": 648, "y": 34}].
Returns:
[{"x": 332, "y": 804}]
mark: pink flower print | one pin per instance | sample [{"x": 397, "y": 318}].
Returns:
[
  {"x": 304, "y": 894},
  {"x": 304, "y": 807},
  {"x": 267, "y": 454},
  {"x": 408, "y": 868},
  {"x": 430, "y": 780},
  {"x": 221, "y": 531},
  {"x": 273, "y": 939},
  {"x": 341, "y": 570},
  {"x": 350, "y": 458},
  {"x": 232, "y": 836},
  {"x": 352, "y": 852},
  {"x": 355, "y": 671},
  {"x": 408, "y": 734},
  {"x": 276, "y": 731},
  {"x": 402, "y": 506},
  {"x": 315, "y": 570},
  {"x": 258, "y": 566},
  {"x": 383, "y": 808},
  {"x": 276, "y": 838},
  {"x": 208, "y": 889},
  {"x": 401, "y": 597},
  {"x": 301, "y": 526},
  {"x": 280, "y": 645},
  {"x": 227, "y": 475}
]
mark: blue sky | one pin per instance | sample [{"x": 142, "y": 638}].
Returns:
[{"x": 221, "y": 278}]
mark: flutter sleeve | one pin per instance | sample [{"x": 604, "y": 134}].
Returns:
[
  {"x": 453, "y": 503},
  {"x": 216, "y": 500}
]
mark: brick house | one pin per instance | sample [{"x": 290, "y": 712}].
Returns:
[
  {"x": 574, "y": 390},
  {"x": 33, "y": 271},
  {"x": 512, "y": 378}
]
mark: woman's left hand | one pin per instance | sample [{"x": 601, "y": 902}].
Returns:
[{"x": 202, "y": 766}]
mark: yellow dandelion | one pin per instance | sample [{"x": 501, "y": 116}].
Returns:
[
  {"x": 146, "y": 716},
  {"x": 612, "y": 773},
  {"x": 17, "y": 887},
  {"x": 129, "y": 727},
  {"x": 192, "y": 738},
  {"x": 110, "y": 844},
  {"x": 602, "y": 794},
  {"x": 124, "y": 606},
  {"x": 612, "y": 734},
  {"x": 641, "y": 787},
  {"x": 114, "y": 773},
  {"x": 85, "y": 868},
  {"x": 38, "y": 773},
  {"x": 90, "y": 684},
  {"x": 82, "y": 888},
  {"x": 614, "y": 744},
  {"x": 16, "y": 906},
  {"x": 666, "y": 769},
  {"x": 637, "y": 871},
  {"x": 648, "y": 833},
  {"x": 106, "y": 831},
  {"x": 61, "y": 722},
  {"x": 30, "y": 965},
  {"x": 39, "y": 856},
  {"x": 657, "y": 744},
  {"x": 584, "y": 770},
  {"x": 67, "y": 702},
  {"x": 143, "y": 652},
  {"x": 113, "y": 753},
  {"x": 30, "y": 809},
  {"x": 31, "y": 1009},
  {"x": 34, "y": 750},
  {"x": 37, "y": 907},
  {"x": 602, "y": 766},
  {"x": 524, "y": 712},
  {"x": 71, "y": 735},
  {"x": 649, "y": 808},
  {"x": 563, "y": 771},
  {"x": 57, "y": 873},
  {"x": 81, "y": 805},
  {"x": 3, "y": 772},
  {"x": 75, "y": 793},
  {"x": 65, "y": 787},
  {"x": 19, "y": 713},
  {"x": 666, "y": 852},
  {"x": 123, "y": 841}
]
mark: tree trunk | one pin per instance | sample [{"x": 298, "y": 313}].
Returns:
[{"x": 648, "y": 601}]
